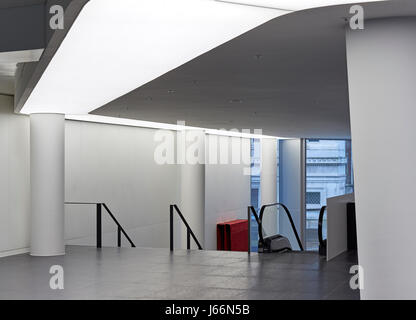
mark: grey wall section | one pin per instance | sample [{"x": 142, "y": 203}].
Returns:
[
  {"x": 64, "y": 3},
  {"x": 381, "y": 75},
  {"x": 115, "y": 164},
  {"x": 22, "y": 27},
  {"x": 227, "y": 194},
  {"x": 14, "y": 180},
  {"x": 290, "y": 191}
]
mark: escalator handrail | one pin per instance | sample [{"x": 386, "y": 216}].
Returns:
[
  {"x": 260, "y": 221},
  {"x": 322, "y": 242},
  {"x": 253, "y": 211}
]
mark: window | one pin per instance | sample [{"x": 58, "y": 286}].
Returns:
[
  {"x": 313, "y": 197},
  {"x": 328, "y": 174}
]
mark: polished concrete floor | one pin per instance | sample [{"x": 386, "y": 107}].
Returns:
[{"x": 143, "y": 273}]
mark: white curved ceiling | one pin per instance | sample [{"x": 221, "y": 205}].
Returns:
[
  {"x": 287, "y": 76},
  {"x": 114, "y": 47}
]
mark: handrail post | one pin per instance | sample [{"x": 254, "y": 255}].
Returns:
[
  {"x": 249, "y": 233},
  {"x": 188, "y": 239},
  {"x": 99, "y": 209},
  {"x": 188, "y": 228},
  {"x": 118, "y": 236},
  {"x": 171, "y": 227},
  {"x": 99, "y": 226}
]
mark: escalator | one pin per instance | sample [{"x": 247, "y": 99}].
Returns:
[{"x": 274, "y": 242}]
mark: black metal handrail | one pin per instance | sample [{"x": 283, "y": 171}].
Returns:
[
  {"x": 120, "y": 229},
  {"x": 322, "y": 242},
  {"x": 259, "y": 219},
  {"x": 189, "y": 231}
]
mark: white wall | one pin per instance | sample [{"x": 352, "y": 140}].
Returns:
[
  {"x": 192, "y": 185},
  {"x": 111, "y": 164},
  {"x": 14, "y": 180},
  {"x": 115, "y": 164},
  {"x": 227, "y": 193},
  {"x": 382, "y": 78}
]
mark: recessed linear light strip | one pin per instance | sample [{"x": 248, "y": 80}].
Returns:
[
  {"x": 294, "y": 5},
  {"x": 163, "y": 126},
  {"x": 261, "y": 4}
]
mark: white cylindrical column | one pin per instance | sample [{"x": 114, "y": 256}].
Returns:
[
  {"x": 381, "y": 75},
  {"x": 47, "y": 149},
  {"x": 193, "y": 184},
  {"x": 268, "y": 182}
]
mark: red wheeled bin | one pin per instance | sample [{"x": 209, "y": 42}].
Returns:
[{"x": 232, "y": 235}]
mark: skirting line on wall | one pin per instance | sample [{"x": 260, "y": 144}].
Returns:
[{"x": 13, "y": 252}]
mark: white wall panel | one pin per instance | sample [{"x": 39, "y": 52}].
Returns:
[
  {"x": 14, "y": 180},
  {"x": 115, "y": 164},
  {"x": 381, "y": 76},
  {"x": 227, "y": 191}
]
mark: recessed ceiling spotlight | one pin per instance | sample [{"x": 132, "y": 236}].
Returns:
[
  {"x": 258, "y": 56},
  {"x": 236, "y": 101}
]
